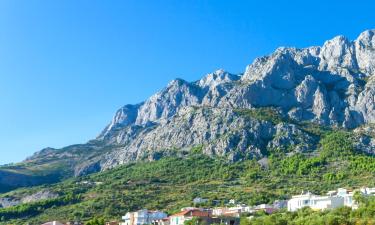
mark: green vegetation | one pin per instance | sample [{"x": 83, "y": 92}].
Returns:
[
  {"x": 171, "y": 183},
  {"x": 337, "y": 144},
  {"x": 29, "y": 210},
  {"x": 272, "y": 115},
  {"x": 365, "y": 214},
  {"x": 96, "y": 221},
  {"x": 197, "y": 149},
  {"x": 265, "y": 113},
  {"x": 194, "y": 221}
]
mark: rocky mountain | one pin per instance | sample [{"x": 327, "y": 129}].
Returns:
[
  {"x": 270, "y": 107},
  {"x": 34, "y": 197}
]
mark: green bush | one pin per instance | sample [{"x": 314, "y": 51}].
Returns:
[{"x": 337, "y": 144}]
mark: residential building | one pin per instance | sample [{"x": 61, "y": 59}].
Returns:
[
  {"x": 185, "y": 215},
  {"x": 232, "y": 211},
  {"x": 368, "y": 191},
  {"x": 164, "y": 221},
  {"x": 142, "y": 217},
  {"x": 112, "y": 223},
  {"x": 241, "y": 208},
  {"x": 223, "y": 211},
  {"x": 226, "y": 220},
  {"x": 315, "y": 202},
  {"x": 75, "y": 223},
  {"x": 204, "y": 216},
  {"x": 280, "y": 204},
  {"x": 53, "y": 223},
  {"x": 266, "y": 208},
  {"x": 200, "y": 200},
  {"x": 348, "y": 197}
]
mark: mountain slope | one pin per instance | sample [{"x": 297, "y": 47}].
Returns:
[
  {"x": 332, "y": 86},
  {"x": 173, "y": 182}
]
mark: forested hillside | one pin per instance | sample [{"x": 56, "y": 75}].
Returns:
[{"x": 172, "y": 182}]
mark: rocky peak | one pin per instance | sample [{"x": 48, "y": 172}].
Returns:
[
  {"x": 338, "y": 53},
  {"x": 315, "y": 83},
  {"x": 216, "y": 78},
  {"x": 330, "y": 85},
  {"x": 166, "y": 103},
  {"x": 125, "y": 116},
  {"x": 366, "y": 39},
  {"x": 365, "y": 52}
]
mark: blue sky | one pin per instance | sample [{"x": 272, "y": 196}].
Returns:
[{"x": 66, "y": 66}]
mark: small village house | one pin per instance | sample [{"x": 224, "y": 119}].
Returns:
[
  {"x": 185, "y": 215},
  {"x": 76, "y": 223},
  {"x": 234, "y": 211},
  {"x": 333, "y": 199},
  {"x": 205, "y": 217},
  {"x": 199, "y": 200},
  {"x": 142, "y": 217},
  {"x": 367, "y": 191},
  {"x": 112, "y": 223},
  {"x": 315, "y": 202},
  {"x": 53, "y": 223},
  {"x": 164, "y": 221},
  {"x": 280, "y": 204},
  {"x": 266, "y": 208}
]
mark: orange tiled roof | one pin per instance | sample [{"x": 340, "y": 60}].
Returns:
[{"x": 193, "y": 212}]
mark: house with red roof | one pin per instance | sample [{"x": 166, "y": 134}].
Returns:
[
  {"x": 204, "y": 217},
  {"x": 189, "y": 214}
]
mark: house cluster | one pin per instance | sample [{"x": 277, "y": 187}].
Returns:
[
  {"x": 205, "y": 216},
  {"x": 230, "y": 214},
  {"x": 333, "y": 199}
]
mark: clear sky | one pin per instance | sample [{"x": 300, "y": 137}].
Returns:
[{"x": 67, "y": 66}]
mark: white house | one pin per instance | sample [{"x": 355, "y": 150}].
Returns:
[
  {"x": 368, "y": 191},
  {"x": 348, "y": 197},
  {"x": 315, "y": 202},
  {"x": 142, "y": 217},
  {"x": 265, "y": 207},
  {"x": 53, "y": 223},
  {"x": 238, "y": 209},
  {"x": 200, "y": 200},
  {"x": 280, "y": 204}
]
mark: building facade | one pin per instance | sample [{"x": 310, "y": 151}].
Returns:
[
  {"x": 185, "y": 215},
  {"x": 315, "y": 202},
  {"x": 142, "y": 217}
]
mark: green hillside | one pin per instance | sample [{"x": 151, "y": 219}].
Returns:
[{"x": 172, "y": 183}]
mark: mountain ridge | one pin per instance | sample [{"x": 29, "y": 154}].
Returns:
[{"x": 331, "y": 86}]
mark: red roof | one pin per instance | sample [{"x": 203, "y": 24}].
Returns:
[{"x": 193, "y": 212}]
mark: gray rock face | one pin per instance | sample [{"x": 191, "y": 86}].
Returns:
[
  {"x": 330, "y": 85},
  {"x": 337, "y": 54},
  {"x": 321, "y": 84},
  {"x": 365, "y": 102},
  {"x": 125, "y": 116},
  {"x": 38, "y": 196},
  {"x": 218, "y": 132},
  {"x": 365, "y": 52},
  {"x": 8, "y": 202}
]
